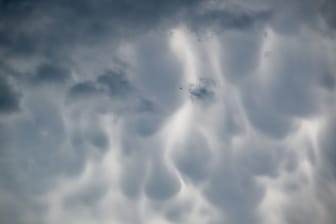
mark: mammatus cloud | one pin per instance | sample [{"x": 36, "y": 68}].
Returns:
[{"x": 167, "y": 112}]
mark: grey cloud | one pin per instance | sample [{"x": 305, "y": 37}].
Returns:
[
  {"x": 295, "y": 83},
  {"x": 147, "y": 125},
  {"x": 136, "y": 146},
  {"x": 87, "y": 197},
  {"x": 273, "y": 107},
  {"x": 146, "y": 105},
  {"x": 241, "y": 55},
  {"x": 137, "y": 149},
  {"x": 328, "y": 80},
  {"x": 327, "y": 143},
  {"x": 48, "y": 73},
  {"x": 133, "y": 178},
  {"x": 327, "y": 11},
  {"x": 264, "y": 117},
  {"x": 233, "y": 186},
  {"x": 178, "y": 212},
  {"x": 192, "y": 157},
  {"x": 232, "y": 125},
  {"x": 14, "y": 209},
  {"x": 299, "y": 213},
  {"x": 39, "y": 147},
  {"x": 115, "y": 83},
  {"x": 9, "y": 98},
  {"x": 110, "y": 83},
  {"x": 203, "y": 91},
  {"x": 235, "y": 193},
  {"x": 52, "y": 37},
  {"x": 99, "y": 140},
  {"x": 90, "y": 134},
  {"x": 50, "y": 140},
  {"x": 93, "y": 21},
  {"x": 219, "y": 19},
  {"x": 12, "y": 42},
  {"x": 292, "y": 16},
  {"x": 159, "y": 72},
  {"x": 113, "y": 92},
  {"x": 34, "y": 148},
  {"x": 162, "y": 183},
  {"x": 83, "y": 89},
  {"x": 262, "y": 158}
]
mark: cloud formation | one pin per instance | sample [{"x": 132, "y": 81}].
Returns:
[{"x": 193, "y": 111}]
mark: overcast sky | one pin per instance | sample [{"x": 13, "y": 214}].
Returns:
[{"x": 167, "y": 112}]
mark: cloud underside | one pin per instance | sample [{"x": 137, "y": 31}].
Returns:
[{"x": 167, "y": 112}]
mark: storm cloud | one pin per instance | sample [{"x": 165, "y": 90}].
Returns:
[{"x": 193, "y": 111}]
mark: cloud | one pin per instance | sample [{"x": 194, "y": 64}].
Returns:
[
  {"x": 115, "y": 83},
  {"x": 110, "y": 83},
  {"x": 167, "y": 112},
  {"x": 327, "y": 143},
  {"x": 219, "y": 19},
  {"x": 327, "y": 12},
  {"x": 203, "y": 91},
  {"x": 83, "y": 89},
  {"x": 132, "y": 180},
  {"x": 193, "y": 156},
  {"x": 162, "y": 183},
  {"x": 9, "y": 98},
  {"x": 47, "y": 73}
]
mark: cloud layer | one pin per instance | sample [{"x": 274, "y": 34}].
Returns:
[{"x": 167, "y": 112}]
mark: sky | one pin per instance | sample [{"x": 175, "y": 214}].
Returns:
[{"x": 167, "y": 112}]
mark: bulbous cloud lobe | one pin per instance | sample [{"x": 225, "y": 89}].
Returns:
[{"x": 192, "y": 111}]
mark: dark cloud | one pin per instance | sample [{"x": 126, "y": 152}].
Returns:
[
  {"x": 99, "y": 140},
  {"x": 327, "y": 11},
  {"x": 48, "y": 73},
  {"x": 9, "y": 98},
  {"x": 110, "y": 83},
  {"x": 83, "y": 89},
  {"x": 52, "y": 35},
  {"x": 224, "y": 19},
  {"x": 203, "y": 91},
  {"x": 114, "y": 83},
  {"x": 328, "y": 80},
  {"x": 327, "y": 144},
  {"x": 147, "y": 125}
]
